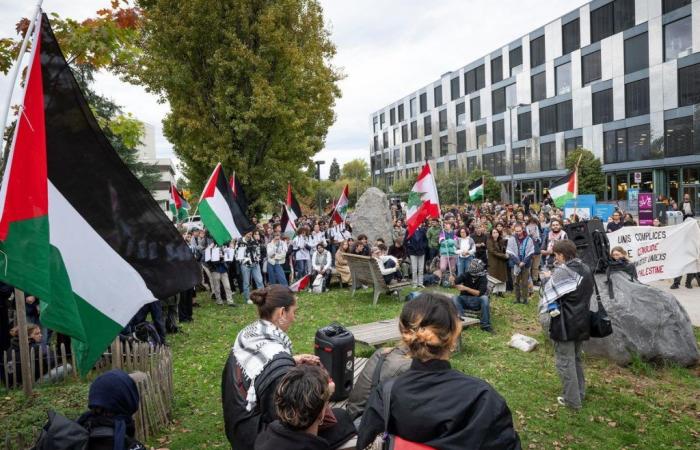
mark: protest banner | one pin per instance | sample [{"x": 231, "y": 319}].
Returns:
[{"x": 660, "y": 253}]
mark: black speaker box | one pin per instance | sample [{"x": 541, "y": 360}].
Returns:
[
  {"x": 592, "y": 245},
  {"x": 335, "y": 347}
]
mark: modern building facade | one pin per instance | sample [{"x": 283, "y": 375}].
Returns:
[
  {"x": 618, "y": 77},
  {"x": 166, "y": 167}
]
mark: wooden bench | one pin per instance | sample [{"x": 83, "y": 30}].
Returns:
[
  {"x": 376, "y": 334},
  {"x": 359, "y": 366},
  {"x": 364, "y": 270}
]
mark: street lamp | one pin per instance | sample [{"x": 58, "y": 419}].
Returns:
[
  {"x": 512, "y": 163},
  {"x": 318, "y": 192}
]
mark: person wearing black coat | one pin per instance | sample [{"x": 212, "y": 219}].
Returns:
[{"x": 416, "y": 247}]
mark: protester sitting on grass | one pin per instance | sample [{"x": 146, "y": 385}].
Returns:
[
  {"x": 473, "y": 286},
  {"x": 260, "y": 357},
  {"x": 301, "y": 400},
  {"x": 431, "y": 403}
]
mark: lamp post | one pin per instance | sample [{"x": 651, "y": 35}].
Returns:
[
  {"x": 512, "y": 160},
  {"x": 318, "y": 192}
]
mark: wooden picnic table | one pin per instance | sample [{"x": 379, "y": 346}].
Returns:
[{"x": 378, "y": 333}]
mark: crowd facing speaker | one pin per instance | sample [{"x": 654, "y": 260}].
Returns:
[{"x": 591, "y": 240}]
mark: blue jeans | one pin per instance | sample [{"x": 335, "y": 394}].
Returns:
[
  {"x": 275, "y": 274},
  {"x": 247, "y": 271},
  {"x": 473, "y": 303},
  {"x": 301, "y": 268},
  {"x": 463, "y": 264}
]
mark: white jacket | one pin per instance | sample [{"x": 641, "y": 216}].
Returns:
[
  {"x": 276, "y": 252},
  {"x": 315, "y": 265},
  {"x": 467, "y": 247}
]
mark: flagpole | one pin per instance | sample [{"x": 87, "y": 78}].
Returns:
[
  {"x": 18, "y": 63},
  {"x": 576, "y": 179}
]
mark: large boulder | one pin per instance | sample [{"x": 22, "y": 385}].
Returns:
[
  {"x": 373, "y": 216},
  {"x": 646, "y": 321}
]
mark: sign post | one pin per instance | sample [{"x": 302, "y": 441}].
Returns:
[{"x": 645, "y": 200}]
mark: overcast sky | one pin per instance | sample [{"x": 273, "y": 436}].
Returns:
[{"x": 385, "y": 48}]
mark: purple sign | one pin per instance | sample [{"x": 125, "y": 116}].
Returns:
[{"x": 645, "y": 200}]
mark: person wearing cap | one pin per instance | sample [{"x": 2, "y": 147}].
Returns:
[{"x": 473, "y": 292}]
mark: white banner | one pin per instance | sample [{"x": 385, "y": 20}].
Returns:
[{"x": 660, "y": 253}]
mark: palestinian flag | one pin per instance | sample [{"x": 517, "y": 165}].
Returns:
[
  {"x": 340, "y": 211},
  {"x": 220, "y": 212},
  {"x": 238, "y": 193},
  {"x": 565, "y": 188},
  {"x": 287, "y": 224},
  {"x": 476, "y": 190},
  {"x": 301, "y": 284},
  {"x": 293, "y": 207},
  {"x": 178, "y": 205},
  {"x": 77, "y": 229},
  {"x": 423, "y": 202}
]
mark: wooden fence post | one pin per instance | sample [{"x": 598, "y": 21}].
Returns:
[
  {"x": 27, "y": 377},
  {"x": 116, "y": 353}
]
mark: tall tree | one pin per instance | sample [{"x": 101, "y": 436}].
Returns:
[
  {"x": 334, "y": 173},
  {"x": 249, "y": 84},
  {"x": 591, "y": 179},
  {"x": 356, "y": 169}
]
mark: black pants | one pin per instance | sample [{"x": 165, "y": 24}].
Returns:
[
  {"x": 688, "y": 279},
  {"x": 185, "y": 305}
]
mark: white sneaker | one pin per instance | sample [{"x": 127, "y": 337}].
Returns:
[
  {"x": 561, "y": 401},
  {"x": 250, "y": 302}
]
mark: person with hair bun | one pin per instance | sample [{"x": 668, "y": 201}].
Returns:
[
  {"x": 260, "y": 357},
  {"x": 431, "y": 403}
]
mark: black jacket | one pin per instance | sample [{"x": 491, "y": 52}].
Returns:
[
  {"x": 573, "y": 324},
  {"x": 417, "y": 244},
  {"x": 425, "y": 409},
  {"x": 278, "y": 437}
]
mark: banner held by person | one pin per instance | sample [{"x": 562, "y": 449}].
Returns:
[
  {"x": 340, "y": 209},
  {"x": 178, "y": 205},
  {"x": 220, "y": 212},
  {"x": 77, "y": 228},
  {"x": 423, "y": 201}
]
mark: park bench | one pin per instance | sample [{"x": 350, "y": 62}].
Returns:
[
  {"x": 365, "y": 271},
  {"x": 376, "y": 334}
]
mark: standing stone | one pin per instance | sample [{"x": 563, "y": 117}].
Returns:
[{"x": 373, "y": 216}]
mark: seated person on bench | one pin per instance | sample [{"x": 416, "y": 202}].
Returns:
[
  {"x": 473, "y": 286},
  {"x": 388, "y": 265}
]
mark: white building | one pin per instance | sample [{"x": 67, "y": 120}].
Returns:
[{"x": 166, "y": 166}]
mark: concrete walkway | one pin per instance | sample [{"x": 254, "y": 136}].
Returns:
[{"x": 689, "y": 298}]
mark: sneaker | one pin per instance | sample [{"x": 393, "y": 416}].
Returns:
[
  {"x": 688, "y": 286},
  {"x": 488, "y": 330},
  {"x": 232, "y": 304},
  {"x": 219, "y": 302},
  {"x": 421, "y": 286},
  {"x": 561, "y": 401},
  {"x": 250, "y": 302},
  {"x": 675, "y": 286}
]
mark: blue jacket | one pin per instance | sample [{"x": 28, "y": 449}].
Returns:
[{"x": 417, "y": 244}]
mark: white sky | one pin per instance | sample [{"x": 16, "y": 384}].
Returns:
[{"x": 386, "y": 49}]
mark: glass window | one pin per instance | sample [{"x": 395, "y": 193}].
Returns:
[
  {"x": 423, "y": 100},
  {"x": 461, "y": 141},
  {"x": 494, "y": 163},
  {"x": 375, "y": 146},
  {"x": 408, "y": 155},
  {"x": 429, "y": 149},
  {"x": 438, "y": 95},
  {"x": 689, "y": 85},
  {"x": 474, "y": 80},
  {"x": 444, "y": 148},
  {"x": 481, "y": 136},
  {"x": 442, "y": 117},
  {"x": 401, "y": 116},
  {"x": 679, "y": 136},
  {"x": 590, "y": 69},
  {"x": 678, "y": 38},
  {"x": 624, "y": 14},
  {"x": 572, "y": 144},
  {"x": 519, "y": 156},
  {"x": 611, "y": 18},
  {"x": 515, "y": 58},
  {"x": 381, "y": 120},
  {"x": 460, "y": 114},
  {"x": 498, "y": 100},
  {"x": 638, "y": 143},
  {"x": 471, "y": 163},
  {"x": 404, "y": 133},
  {"x": 636, "y": 53},
  {"x": 396, "y": 136},
  {"x": 417, "y": 152},
  {"x": 563, "y": 78},
  {"x": 440, "y": 167},
  {"x": 565, "y": 120},
  {"x": 412, "y": 107},
  {"x": 480, "y": 77},
  {"x": 511, "y": 95},
  {"x": 539, "y": 87},
  {"x": 524, "y": 126},
  {"x": 452, "y": 165},
  {"x": 571, "y": 36},
  {"x": 414, "y": 130},
  {"x": 392, "y": 116},
  {"x": 496, "y": 69},
  {"x": 637, "y": 98},
  {"x": 427, "y": 126},
  {"x": 385, "y": 139},
  {"x": 454, "y": 88},
  {"x": 603, "y": 106},
  {"x": 548, "y": 156},
  {"x": 537, "y": 54},
  {"x": 397, "y": 157},
  {"x": 671, "y": 5},
  {"x": 375, "y": 123},
  {"x": 609, "y": 145},
  {"x": 475, "y": 108},
  {"x": 548, "y": 120},
  {"x": 499, "y": 135}
]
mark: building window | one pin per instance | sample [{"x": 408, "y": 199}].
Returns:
[
  {"x": 442, "y": 118},
  {"x": 590, "y": 67},
  {"x": 412, "y": 107},
  {"x": 385, "y": 139},
  {"x": 548, "y": 156},
  {"x": 481, "y": 136},
  {"x": 679, "y": 137},
  {"x": 499, "y": 135},
  {"x": 427, "y": 125},
  {"x": 637, "y": 98},
  {"x": 454, "y": 88},
  {"x": 404, "y": 133},
  {"x": 417, "y": 152},
  {"x": 524, "y": 126},
  {"x": 396, "y": 136},
  {"x": 375, "y": 123},
  {"x": 565, "y": 116},
  {"x": 387, "y": 159},
  {"x": 556, "y": 118},
  {"x": 678, "y": 38},
  {"x": 672, "y": 5},
  {"x": 474, "y": 80},
  {"x": 571, "y": 36},
  {"x": 440, "y": 167},
  {"x": 460, "y": 114},
  {"x": 423, "y": 101},
  {"x": 438, "y": 95},
  {"x": 392, "y": 116},
  {"x": 519, "y": 156},
  {"x": 537, "y": 54},
  {"x": 471, "y": 163},
  {"x": 381, "y": 120},
  {"x": 515, "y": 58},
  {"x": 401, "y": 116},
  {"x": 602, "y": 106},
  {"x": 636, "y": 53},
  {"x": 539, "y": 87},
  {"x": 444, "y": 148},
  {"x": 498, "y": 100},
  {"x": 563, "y": 78},
  {"x": 475, "y": 108},
  {"x": 627, "y": 144},
  {"x": 494, "y": 163},
  {"x": 429, "y": 149},
  {"x": 397, "y": 157},
  {"x": 511, "y": 95},
  {"x": 572, "y": 144},
  {"x": 375, "y": 146},
  {"x": 461, "y": 141},
  {"x": 611, "y": 18},
  {"x": 408, "y": 154},
  {"x": 496, "y": 69},
  {"x": 414, "y": 130},
  {"x": 451, "y": 165},
  {"x": 689, "y": 85}
]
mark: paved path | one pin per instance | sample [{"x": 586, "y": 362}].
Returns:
[{"x": 689, "y": 298}]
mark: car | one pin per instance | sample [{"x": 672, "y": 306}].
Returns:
[{"x": 193, "y": 222}]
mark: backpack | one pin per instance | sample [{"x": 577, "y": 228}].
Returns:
[
  {"x": 392, "y": 442},
  {"x": 146, "y": 332}
]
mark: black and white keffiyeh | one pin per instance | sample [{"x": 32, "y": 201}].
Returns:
[
  {"x": 563, "y": 281},
  {"x": 255, "y": 347}
]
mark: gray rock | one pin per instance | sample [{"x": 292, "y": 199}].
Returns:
[
  {"x": 373, "y": 216},
  {"x": 646, "y": 321}
]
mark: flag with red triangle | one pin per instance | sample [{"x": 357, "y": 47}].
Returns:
[
  {"x": 178, "y": 205},
  {"x": 340, "y": 211},
  {"x": 301, "y": 284},
  {"x": 423, "y": 201},
  {"x": 287, "y": 224},
  {"x": 221, "y": 214},
  {"x": 293, "y": 207}
]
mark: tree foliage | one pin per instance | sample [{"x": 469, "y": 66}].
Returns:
[
  {"x": 591, "y": 179},
  {"x": 334, "y": 172},
  {"x": 356, "y": 169},
  {"x": 249, "y": 84}
]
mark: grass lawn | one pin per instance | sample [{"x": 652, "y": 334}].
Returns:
[{"x": 636, "y": 407}]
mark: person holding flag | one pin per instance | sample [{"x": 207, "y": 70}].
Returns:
[{"x": 423, "y": 202}]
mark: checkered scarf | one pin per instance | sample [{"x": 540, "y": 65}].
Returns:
[{"x": 563, "y": 281}]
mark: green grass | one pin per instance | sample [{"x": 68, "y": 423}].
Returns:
[{"x": 642, "y": 406}]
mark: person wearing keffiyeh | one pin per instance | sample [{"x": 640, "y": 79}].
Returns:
[{"x": 520, "y": 250}]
